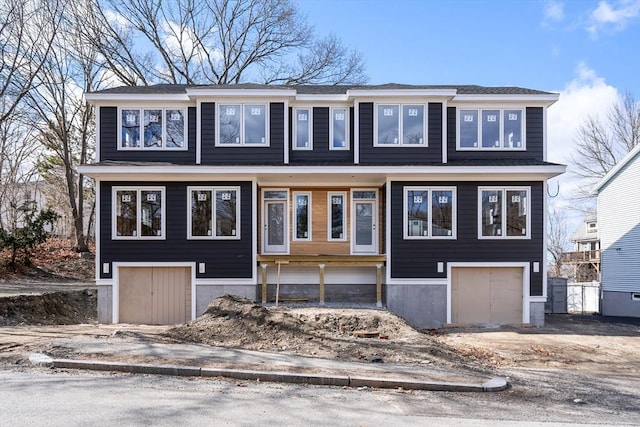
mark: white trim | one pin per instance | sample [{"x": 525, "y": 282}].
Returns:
[
  {"x": 254, "y": 230},
  {"x": 501, "y": 110},
  {"x": 545, "y": 254},
  {"x": 213, "y": 189},
  {"x": 141, "y": 110},
  {"x": 375, "y": 219},
  {"x": 429, "y": 189},
  {"x": 96, "y": 230},
  {"x": 198, "y": 132},
  {"x": 95, "y": 98},
  {"x": 400, "y": 128},
  {"x": 427, "y": 281},
  {"x": 96, "y": 154},
  {"x": 115, "y": 292},
  {"x": 445, "y": 136},
  {"x": 239, "y": 92},
  {"x": 294, "y": 129},
  {"x": 139, "y": 190},
  {"x": 241, "y": 138},
  {"x": 503, "y": 212},
  {"x": 286, "y": 141},
  {"x": 345, "y": 202},
  {"x": 226, "y": 282},
  {"x": 614, "y": 171},
  {"x": 526, "y": 283},
  {"x": 387, "y": 218},
  {"x": 347, "y": 142},
  {"x": 325, "y": 97},
  {"x": 542, "y": 99},
  {"x": 356, "y": 133},
  {"x": 294, "y": 215},
  {"x": 539, "y": 298},
  {"x": 352, "y": 93}
]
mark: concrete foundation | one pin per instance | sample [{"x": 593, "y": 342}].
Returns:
[
  {"x": 105, "y": 303},
  {"x": 620, "y": 304},
  {"x": 422, "y": 306},
  {"x": 536, "y": 313}
]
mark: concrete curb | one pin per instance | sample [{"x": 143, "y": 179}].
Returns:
[{"x": 493, "y": 385}]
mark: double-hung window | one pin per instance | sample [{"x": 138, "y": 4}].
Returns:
[
  {"x": 491, "y": 129},
  {"x": 138, "y": 213},
  {"x": 214, "y": 213},
  {"x": 429, "y": 213},
  {"x": 242, "y": 124},
  {"x": 503, "y": 212},
  {"x": 339, "y": 129},
  {"x": 303, "y": 129},
  {"x": 302, "y": 216},
  {"x": 153, "y": 129},
  {"x": 400, "y": 125}
]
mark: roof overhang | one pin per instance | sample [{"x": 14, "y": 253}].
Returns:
[
  {"x": 393, "y": 93},
  {"x": 241, "y": 93},
  {"x": 314, "y": 176},
  {"x": 541, "y": 99},
  {"x": 100, "y": 97}
]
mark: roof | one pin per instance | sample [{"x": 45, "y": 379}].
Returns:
[
  {"x": 626, "y": 160},
  {"x": 581, "y": 234},
  {"x": 176, "y": 89}
]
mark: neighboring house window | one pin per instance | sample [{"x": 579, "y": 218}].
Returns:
[
  {"x": 302, "y": 216},
  {"x": 138, "y": 213},
  {"x": 153, "y": 129},
  {"x": 592, "y": 227},
  {"x": 491, "y": 129},
  {"x": 337, "y": 214},
  {"x": 400, "y": 124},
  {"x": 241, "y": 124},
  {"x": 429, "y": 213},
  {"x": 302, "y": 129},
  {"x": 339, "y": 129},
  {"x": 504, "y": 213},
  {"x": 214, "y": 213}
]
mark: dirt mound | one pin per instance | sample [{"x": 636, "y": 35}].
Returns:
[
  {"x": 348, "y": 334},
  {"x": 52, "y": 308}
]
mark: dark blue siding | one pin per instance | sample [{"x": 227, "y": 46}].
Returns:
[
  {"x": 223, "y": 258},
  {"x": 246, "y": 155},
  {"x": 321, "y": 151},
  {"x": 419, "y": 258},
  {"x": 109, "y": 142},
  {"x": 534, "y": 134},
  {"x": 370, "y": 155}
]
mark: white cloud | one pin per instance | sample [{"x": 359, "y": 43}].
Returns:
[
  {"x": 553, "y": 12},
  {"x": 586, "y": 95},
  {"x": 615, "y": 16}
]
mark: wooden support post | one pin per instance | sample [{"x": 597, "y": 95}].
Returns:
[
  {"x": 321, "y": 284},
  {"x": 264, "y": 283},
  {"x": 379, "y": 285},
  {"x": 278, "y": 280}
]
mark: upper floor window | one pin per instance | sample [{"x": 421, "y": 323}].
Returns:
[
  {"x": 504, "y": 213},
  {"x": 400, "y": 124},
  {"x": 429, "y": 213},
  {"x": 153, "y": 128},
  {"x": 214, "y": 213},
  {"x": 491, "y": 129},
  {"x": 302, "y": 129},
  {"x": 339, "y": 129},
  {"x": 138, "y": 213},
  {"x": 240, "y": 124}
]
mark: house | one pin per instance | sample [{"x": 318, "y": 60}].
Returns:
[
  {"x": 619, "y": 230},
  {"x": 429, "y": 200},
  {"x": 585, "y": 257}
]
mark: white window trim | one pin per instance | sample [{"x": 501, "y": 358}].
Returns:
[
  {"x": 138, "y": 190},
  {"x": 523, "y": 129},
  {"x": 184, "y": 147},
  {"x": 503, "y": 213},
  {"x": 425, "y": 126},
  {"x": 294, "y": 214},
  {"x": 213, "y": 189},
  {"x": 295, "y": 129},
  {"x": 345, "y": 233},
  {"x": 347, "y": 145},
  {"x": 429, "y": 190},
  {"x": 242, "y": 142}
]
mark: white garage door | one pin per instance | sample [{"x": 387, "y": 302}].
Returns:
[
  {"x": 486, "y": 295},
  {"x": 154, "y": 295}
]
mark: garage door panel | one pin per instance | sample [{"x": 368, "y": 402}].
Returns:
[
  {"x": 506, "y": 295},
  {"x": 472, "y": 296},
  {"x": 135, "y": 287}
]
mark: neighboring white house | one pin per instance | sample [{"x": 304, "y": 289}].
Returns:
[{"x": 619, "y": 229}]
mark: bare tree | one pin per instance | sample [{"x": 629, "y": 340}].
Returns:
[
  {"x": 601, "y": 143},
  {"x": 558, "y": 239},
  {"x": 216, "y": 42}
]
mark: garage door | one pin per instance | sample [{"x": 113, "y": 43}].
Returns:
[
  {"x": 154, "y": 295},
  {"x": 486, "y": 295}
]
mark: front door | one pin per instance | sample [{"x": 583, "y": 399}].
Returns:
[
  {"x": 364, "y": 226},
  {"x": 275, "y": 226}
]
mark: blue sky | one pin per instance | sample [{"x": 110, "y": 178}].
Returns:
[{"x": 588, "y": 51}]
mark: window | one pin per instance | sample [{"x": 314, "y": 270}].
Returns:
[
  {"x": 241, "y": 124},
  {"x": 214, "y": 213},
  {"x": 503, "y": 213},
  {"x": 153, "y": 129},
  {"x": 429, "y": 213},
  {"x": 400, "y": 124},
  {"x": 337, "y": 214},
  {"x": 302, "y": 217},
  {"x": 338, "y": 132},
  {"x": 138, "y": 213},
  {"x": 302, "y": 129},
  {"x": 491, "y": 129}
]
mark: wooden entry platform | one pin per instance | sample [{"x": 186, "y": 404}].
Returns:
[{"x": 322, "y": 262}]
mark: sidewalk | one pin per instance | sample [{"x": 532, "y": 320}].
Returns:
[{"x": 134, "y": 355}]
